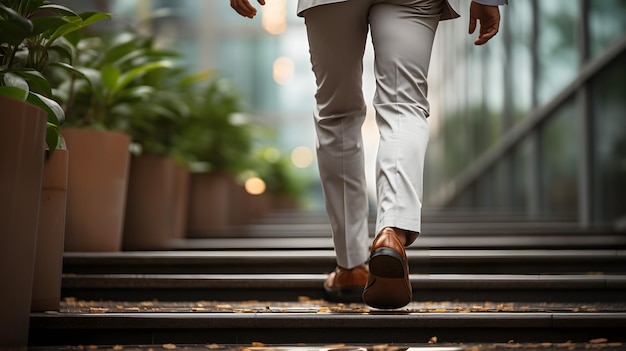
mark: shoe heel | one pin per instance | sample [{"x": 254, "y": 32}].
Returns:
[
  {"x": 387, "y": 293},
  {"x": 387, "y": 263}
]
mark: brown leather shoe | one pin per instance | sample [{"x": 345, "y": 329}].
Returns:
[
  {"x": 388, "y": 284},
  {"x": 346, "y": 285}
]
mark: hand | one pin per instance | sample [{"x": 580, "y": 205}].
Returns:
[
  {"x": 244, "y": 8},
  {"x": 489, "y": 17}
]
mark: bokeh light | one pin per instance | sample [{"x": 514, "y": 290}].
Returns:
[
  {"x": 275, "y": 16},
  {"x": 283, "y": 70},
  {"x": 255, "y": 186},
  {"x": 302, "y": 157}
]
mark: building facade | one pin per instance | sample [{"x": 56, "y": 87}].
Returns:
[{"x": 535, "y": 121}]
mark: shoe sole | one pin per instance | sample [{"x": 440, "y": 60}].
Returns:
[
  {"x": 387, "y": 293},
  {"x": 387, "y": 263}
]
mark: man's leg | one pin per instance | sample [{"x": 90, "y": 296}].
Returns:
[
  {"x": 402, "y": 33},
  {"x": 337, "y": 34}
]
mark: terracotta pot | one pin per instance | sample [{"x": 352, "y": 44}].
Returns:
[
  {"x": 96, "y": 191},
  {"x": 157, "y": 202},
  {"x": 252, "y": 207},
  {"x": 211, "y": 199},
  {"x": 51, "y": 233},
  {"x": 284, "y": 202},
  {"x": 22, "y": 138}
]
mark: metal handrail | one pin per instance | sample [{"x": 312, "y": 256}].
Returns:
[{"x": 524, "y": 128}]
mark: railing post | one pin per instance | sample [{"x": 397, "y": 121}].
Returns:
[
  {"x": 585, "y": 125},
  {"x": 535, "y": 170}
]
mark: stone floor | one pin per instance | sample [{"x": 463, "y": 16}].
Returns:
[
  {"x": 307, "y": 305},
  {"x": 596, "y": 344}
]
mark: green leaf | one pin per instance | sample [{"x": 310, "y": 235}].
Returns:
[
  {"x": 196, "y": 78},
  {"x": 72, "y": 24},
  {"x": 141, "y": 92},
  {"x": 47, "y": 25},
  {"x": 30, "y": 6},
  {"x": 124, "y": 45},
  {"x": 76, "y": 23},
  {"x": 128, "y": 77},
  {"x": 13, "y": 92},
  {"x": 36, "y": 81},
  {"x": 92, "y": 76},
  {"x": 14, "y": 80},
  {"x": 64, "y": 50},
  {"x": 56, "y": 115},
  {"x": 90, "y": 18},
  {"x": 80, "y": 73},
  {"x": 53, "y": 137},
  {"x": 110, "y": 77},
  {"x": 15, "y": 28},
  {"x": 60, "y": 9}
]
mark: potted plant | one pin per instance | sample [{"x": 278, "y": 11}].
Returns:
[
  {"x": 97, "y": 99},
  {"x": 219, "y": 140},
  {"x": 30, "y": 31},
  {"x": 158, "y": 189}
]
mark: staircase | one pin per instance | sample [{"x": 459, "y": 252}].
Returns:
[{"x": 476, "y": 279}]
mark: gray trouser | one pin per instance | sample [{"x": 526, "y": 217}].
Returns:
[{"x": 402, "y": 35}]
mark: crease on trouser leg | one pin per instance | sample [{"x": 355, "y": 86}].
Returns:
[{"x": 341, "y": 162}]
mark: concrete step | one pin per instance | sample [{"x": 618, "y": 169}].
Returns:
[
  {"x": 304, "y": 229},
  {"x": 291, "y": 287},
  {"x": 302, "y": 323},
  {"x": 526, "y": 261},
  {"x": 495, "y": 240}
]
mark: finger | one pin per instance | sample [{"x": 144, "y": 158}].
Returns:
[
  {"x": 472, "y": 24},
  {"x": 489, "y": 30},
  {"x": 485, "y": 37},
  {"x": 243, "y": 7}
]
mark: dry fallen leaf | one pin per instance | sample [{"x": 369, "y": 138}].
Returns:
[
  {"x": 335, "y": 346},
  {"x": 599, "y": 341},
  {"x": 258, "y": 344},
  {"x": 118, "y": 347},
  {"x": 433, "y": 340},
  {"x": 213, "y": 346},
  {"x": 169, "y": 346},
  {"x": 98, "y": 309}
]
